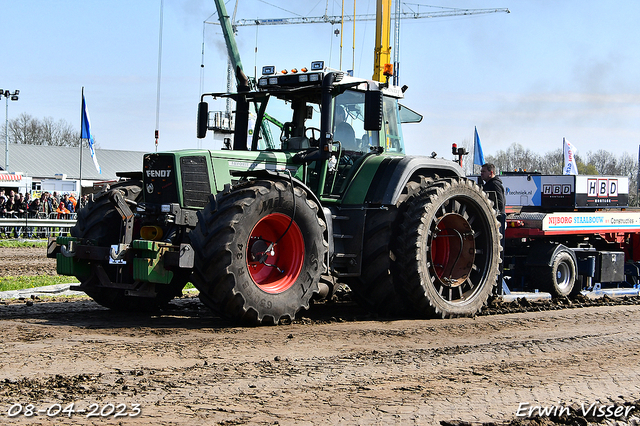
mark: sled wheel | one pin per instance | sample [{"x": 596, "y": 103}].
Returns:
[{"x": 559, "y": 278}]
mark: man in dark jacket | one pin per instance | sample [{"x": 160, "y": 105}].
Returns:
[{"x": 493, "y": 183}]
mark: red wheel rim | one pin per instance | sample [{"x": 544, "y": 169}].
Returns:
[
  {"x": 452, "y": 250},
  {"x": 287, "y": 255}
]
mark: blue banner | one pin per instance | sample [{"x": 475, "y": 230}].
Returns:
[
  {"x": 478, "y": 156},
  {"x": 86, "y": 133}
]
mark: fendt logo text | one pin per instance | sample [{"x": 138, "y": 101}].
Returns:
[{"x": 159, "y": 173}]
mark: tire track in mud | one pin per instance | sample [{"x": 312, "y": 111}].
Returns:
[{"x": 187, "y": 368}]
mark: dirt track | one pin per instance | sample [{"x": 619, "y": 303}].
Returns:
[
  {"x": 25, "y": 261},
  {"x": 337, "y": 365}
]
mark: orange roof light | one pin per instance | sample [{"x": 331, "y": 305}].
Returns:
[
  {"x": 294, "y": 70},
  {"x": 284, "y": 72},
  {"x": 388, "y": 70},
  {"x": 304, "y": 69}
]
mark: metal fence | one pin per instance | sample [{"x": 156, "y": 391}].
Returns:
[{"x": 39, "y": 226}]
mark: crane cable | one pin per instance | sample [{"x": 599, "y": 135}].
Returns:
[
  {"x": 341, "y": 33},
  {"x": 159, "y": 74},
  {"x": 353, "y": 47}
]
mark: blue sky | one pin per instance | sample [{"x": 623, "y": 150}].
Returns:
[{"x": 547, "y": 70}]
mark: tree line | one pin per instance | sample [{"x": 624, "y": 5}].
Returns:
[{"x": 26, "y": 129}]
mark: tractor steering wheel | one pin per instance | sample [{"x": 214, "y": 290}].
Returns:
[{"x": 313, "y": 140}]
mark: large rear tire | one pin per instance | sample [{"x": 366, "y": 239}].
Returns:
[
  {"x": 374, "y": 289},
  {"x": 99, "y": 223},
  {"x": 255, "y": 264},
  {"x": 448, "y": 250}
]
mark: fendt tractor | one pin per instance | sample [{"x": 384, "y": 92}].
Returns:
[{"x": 317, "y": 193}]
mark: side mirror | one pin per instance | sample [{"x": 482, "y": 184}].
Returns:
[
  {"x": 373, "y": 110},
  {"x": 203, "y": 119}
]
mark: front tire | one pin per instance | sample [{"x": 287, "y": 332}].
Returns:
[
  {"x": 254, "y": 264},
  {"x": 449, "y": 249}
]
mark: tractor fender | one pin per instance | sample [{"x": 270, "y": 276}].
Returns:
[
  {"x": 273, "y": 174},
  {"x": 394, "y": 173},
  {"x": 544, "y": 254}
]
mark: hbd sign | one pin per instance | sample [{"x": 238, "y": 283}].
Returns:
[
  {"x": 602, "y": 188},
  {"x": 556, "y": 189}
]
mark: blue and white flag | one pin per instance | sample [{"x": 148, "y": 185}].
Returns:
[
  {"x": 478, "y": 156},
  {"x": 570, "y": 166},
  {"x": 86, "y": 133}
]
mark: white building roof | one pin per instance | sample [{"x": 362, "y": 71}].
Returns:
[{"x": 40, "y": 161}]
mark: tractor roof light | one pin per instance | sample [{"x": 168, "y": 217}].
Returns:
[
  {"x": 388, "y": 70},
  {"x": 268, "y": 70},
  {"x": 317, "y": 65}
]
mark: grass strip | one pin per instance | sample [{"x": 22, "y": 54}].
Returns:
[
  {"x": 22, "y": 282},
  {"x": 23, "y": 243}
]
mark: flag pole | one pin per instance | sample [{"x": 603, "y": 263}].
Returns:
[
  {"x": 473, "y": 163},
  {"x": 81, "y": 117},
  {"x": 564, "y": 160}
]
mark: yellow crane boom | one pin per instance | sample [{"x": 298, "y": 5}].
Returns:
[{"x": 382, "y": 50}]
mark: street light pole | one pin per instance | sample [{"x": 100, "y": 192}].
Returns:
[{"x": 14, "y": 97}]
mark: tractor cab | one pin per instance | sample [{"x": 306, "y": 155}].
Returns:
[{"x": 328, "y": 121}]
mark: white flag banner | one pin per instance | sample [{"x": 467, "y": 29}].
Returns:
[{"x": 570, "y": 166}]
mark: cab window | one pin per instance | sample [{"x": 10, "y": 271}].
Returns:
[
  {"x": 285, "y": 124},
  {"x": 348, "y": 123},
  {"x": 392, "y": 130}
]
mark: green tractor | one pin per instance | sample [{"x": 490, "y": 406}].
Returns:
[{"x": 317, "y": 193}]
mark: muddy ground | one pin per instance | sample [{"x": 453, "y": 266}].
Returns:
[
  {"x": 19, "y": 261},
  {"x": 335, "y": 365}
]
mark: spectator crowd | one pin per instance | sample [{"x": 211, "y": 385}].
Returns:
[{"x": 48, "y": 205}]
